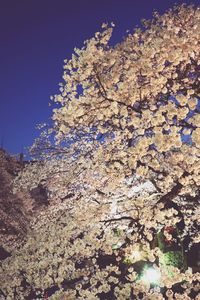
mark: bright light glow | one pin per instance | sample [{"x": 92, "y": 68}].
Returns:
[{"x": 151, "y": 275}]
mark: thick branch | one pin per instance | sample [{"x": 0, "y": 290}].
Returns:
[{"x": 172, "y": 194}]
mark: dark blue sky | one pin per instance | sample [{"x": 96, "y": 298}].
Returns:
[{"x": 35, "y": 37}]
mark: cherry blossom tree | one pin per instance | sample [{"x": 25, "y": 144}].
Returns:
[{"x": 124, "y": 172}]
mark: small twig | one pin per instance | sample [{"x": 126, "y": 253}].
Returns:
[{"x": 119, "y": 219}]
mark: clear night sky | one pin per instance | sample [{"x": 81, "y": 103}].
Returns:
[{"x": 35, "y": 37}]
